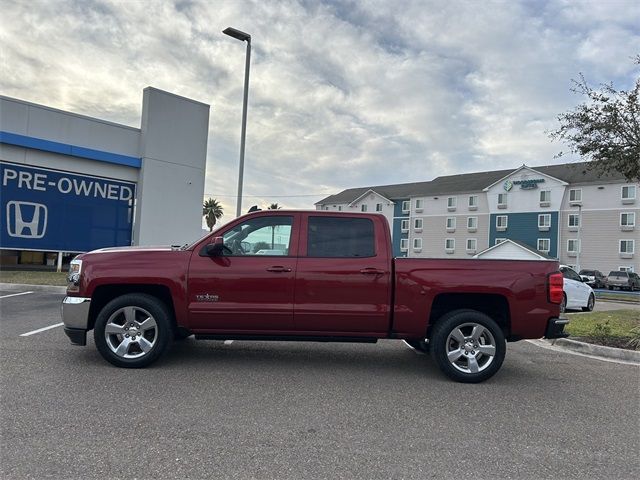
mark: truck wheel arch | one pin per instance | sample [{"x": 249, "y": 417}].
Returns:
[
  {"x": 495, "y": 306},
  {"x": 103, "y": 294}
]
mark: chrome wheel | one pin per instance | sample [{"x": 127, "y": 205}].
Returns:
[
  {"x": 470, "y": 348},
  {"x": 131, "y": 332}
]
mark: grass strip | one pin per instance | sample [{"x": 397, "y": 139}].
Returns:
[{"x": 33, "y": 277}]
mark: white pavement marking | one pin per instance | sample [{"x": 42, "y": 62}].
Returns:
[
  {"x": 33, "y": 332},
  {"x": 228, "y": 342},
  {"x": 15, "y": 294}
]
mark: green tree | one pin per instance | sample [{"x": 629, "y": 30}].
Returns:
[
  {"x": 605, "y": 128},
  {"x": 212, "y": 211},
  {"x": 274, "y": 206}
]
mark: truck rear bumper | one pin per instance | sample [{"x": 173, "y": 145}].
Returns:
[
  {"x": 75, "y": 316},
  {"x": 555, "y": 328}
]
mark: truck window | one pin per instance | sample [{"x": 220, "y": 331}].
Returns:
[
  {"x": 340, "y": 237},
  {"x": 260, "y": 236}
]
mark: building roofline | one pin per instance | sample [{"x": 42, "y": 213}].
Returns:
[{"x": 523, "y": 167}]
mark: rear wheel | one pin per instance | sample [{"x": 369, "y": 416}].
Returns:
[
  {"x": 590, "y": 303},
  {"x": 468, "y": 346},
  {"x": 133, "y": 330}
]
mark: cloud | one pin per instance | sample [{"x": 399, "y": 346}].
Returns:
[{"x": 342, "y": 94}]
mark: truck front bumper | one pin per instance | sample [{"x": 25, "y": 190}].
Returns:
[
  {"x": 555, "y": 328},
  {"x": 75, "y": 316}
]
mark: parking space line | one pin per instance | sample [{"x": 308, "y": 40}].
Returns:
[
  {"x": 228, "y": 342},
  {"x": 33, "y": 332},
  {"x": 15, "y": 294}
]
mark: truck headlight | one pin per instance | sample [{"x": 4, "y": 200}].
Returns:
[{"x": 75, "y": 268}]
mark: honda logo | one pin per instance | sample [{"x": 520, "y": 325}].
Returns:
[{"x": 26, "y": 219}]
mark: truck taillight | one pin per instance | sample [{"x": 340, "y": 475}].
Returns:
[{"x": 556, "y": 283}]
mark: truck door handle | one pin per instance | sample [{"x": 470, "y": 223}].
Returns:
[
  {"x": 371, "y": 271},
  {"x": 278, "y": 269}
]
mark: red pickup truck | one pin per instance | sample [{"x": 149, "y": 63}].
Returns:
[{"x": 309, "y": 275}]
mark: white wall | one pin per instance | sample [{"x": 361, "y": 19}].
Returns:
[{"x": 173, "y": 147}]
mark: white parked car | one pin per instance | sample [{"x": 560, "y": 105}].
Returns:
[{"x": 577, "y": 294}]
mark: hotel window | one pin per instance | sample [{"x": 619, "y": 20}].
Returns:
[
  {"x": 574, "y": 222},
  {"x": 502, "y": 200},
  {"x": 544, "y": 222},
  {"x": 627, "y": 221},
  {"x": 405, "y": 206},
  {"x": 575, "y": 196},
  {"x": 502, "y": 222},
  {"x": 378, "y": 207},
  {"x": 452, "y": 203},
  {"x": 404, "y": 244},
  {"x": 627, "y": 248},
  {"x": 418, "y": 204},
  {"x": 417, "y": 244},
  {"x": 473, "y": 202},
  {"x": 363, "y": 208},
  {"x": 628, "y": 194},
  {"x": 404, "y": 226},
  {"x": 472, "y": 245},
  {"x": 572, "y": 247},
  {"x": 545, "y": 198},
  {"x": 450, "y": 245},
  {"x": 451, "y": 224},
  {"x": 472, "y": 224},
  {"x": 544, "y": 245},
  {"x": 499, "y": 240},
  {"x": 417, "y": 224}
]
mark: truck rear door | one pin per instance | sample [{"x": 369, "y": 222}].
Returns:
[{"x": 343, "y": 277}]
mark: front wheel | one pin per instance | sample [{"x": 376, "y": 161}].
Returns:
[
  {"x": 133, "y": 330},
  {"x": 468, "y": 346},
  {"x": 590, "y": 303}
]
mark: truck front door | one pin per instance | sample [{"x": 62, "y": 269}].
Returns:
[{"x": 249, "y": 286}]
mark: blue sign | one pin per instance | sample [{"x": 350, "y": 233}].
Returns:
[{"x": 42, "y": 209}]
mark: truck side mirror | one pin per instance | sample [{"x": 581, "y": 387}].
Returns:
[{"x": 213, "y": 249}]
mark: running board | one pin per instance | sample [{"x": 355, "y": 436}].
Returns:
[{"x": 287, "y": 338}]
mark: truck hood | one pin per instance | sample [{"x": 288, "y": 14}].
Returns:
[{"x": 145, "y": 248}]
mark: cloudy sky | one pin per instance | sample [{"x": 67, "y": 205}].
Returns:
[{"x": 342, "y": 93}]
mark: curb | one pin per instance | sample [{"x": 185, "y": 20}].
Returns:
[
  {"x": 34, "y": 288},
  {"x": 597, "y": 350}
]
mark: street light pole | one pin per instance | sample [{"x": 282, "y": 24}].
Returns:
[
  {"x": 579, "y": 239},
  {"x": 244, "y": 37}
]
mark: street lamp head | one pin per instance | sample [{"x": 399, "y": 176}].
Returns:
[{"x": 232, "y": 32}]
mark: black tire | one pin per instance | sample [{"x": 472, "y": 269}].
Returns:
[
  {"x": 610, "y": 288},
  {"x": 464, "y": 322},
  {"x": 130, "y": 313},
  {"x": 590, "y": 303}
]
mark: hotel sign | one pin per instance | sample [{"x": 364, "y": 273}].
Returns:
[{"x": 527, "y": 184}]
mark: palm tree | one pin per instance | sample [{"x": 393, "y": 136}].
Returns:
[{"x": 212, "y": 211}]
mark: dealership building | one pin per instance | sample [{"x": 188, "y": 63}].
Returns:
[
  {"x": 72, "y": 183},
  {"x": 568, "y": 212}
]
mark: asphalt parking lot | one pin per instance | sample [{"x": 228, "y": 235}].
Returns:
[{"x": 303, "y": 410}]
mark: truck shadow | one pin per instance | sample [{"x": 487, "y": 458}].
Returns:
[{"x": 290, "y": 357}]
